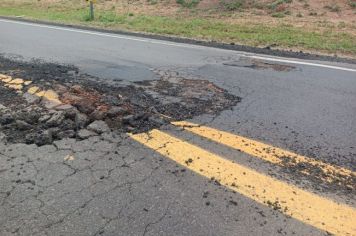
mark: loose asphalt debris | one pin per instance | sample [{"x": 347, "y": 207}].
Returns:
[
  {"x": 260, "y": 65},
  {"x": 43, "y": 102}
]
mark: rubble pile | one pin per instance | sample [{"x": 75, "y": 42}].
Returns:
[{"x": 43, "y": 102}]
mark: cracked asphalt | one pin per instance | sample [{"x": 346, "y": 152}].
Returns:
[
  {"x": 111, "y": 185},
  {"x": 119, "y": 184}
]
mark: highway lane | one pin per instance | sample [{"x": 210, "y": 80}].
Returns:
[
  {"x": 308, "y": 107},
  {"x": 316, "y": 103}
]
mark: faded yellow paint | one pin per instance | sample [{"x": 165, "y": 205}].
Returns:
[
  {"x": 7, "y": 80},
  {"x": 307, "y": 207},
  {"x": 265, "y": 152},
  {"x": 16, "y": 81},
  {"x": 14, "y": 86},
  {"x": 33, "y": 90},
  {"x": 48, "y": 95},
  {"x": 52, "y": 96},
  {"x": 2, "y": 76}
]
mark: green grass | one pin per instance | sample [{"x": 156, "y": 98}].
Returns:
[
  {"x": 188, "y": 3},
  {"x": 285, "y": 36}
]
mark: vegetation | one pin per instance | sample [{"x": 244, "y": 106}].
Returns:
[
  {"x": 188, "y": 3},
  {"x": 332, "y": 39},
  {"x": 233, "y": 5}
]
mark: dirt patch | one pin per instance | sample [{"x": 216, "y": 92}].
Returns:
[
  {"x": 53, "y": 102},
  {"x": 259, "y": 65}
]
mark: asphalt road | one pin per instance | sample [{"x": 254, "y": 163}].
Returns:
[{"x": 307, "y": 107}]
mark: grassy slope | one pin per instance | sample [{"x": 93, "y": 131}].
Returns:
[{"x": 285, "y": 36}]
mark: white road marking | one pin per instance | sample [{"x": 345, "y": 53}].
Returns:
[
  {"x": 154, "y": 41},
  {"x": 302, "y": 63}
]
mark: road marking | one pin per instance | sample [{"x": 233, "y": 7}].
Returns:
[
  {"x": 302, "y": 63},
  {"x": 50, "y": 97},
  {"x": 182, "y": 45},
  {"x": 307, "y": 207},
  {"x": 328, "y": 173}
]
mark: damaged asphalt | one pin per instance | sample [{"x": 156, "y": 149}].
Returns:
[
  {"x": 81, "y": 106},
  {"x": 96, "y": 180}
]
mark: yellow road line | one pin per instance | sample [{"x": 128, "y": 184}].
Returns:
[
  {"x": 50, "y": 96},
  {"x": 307, "y": 207},
  {"x": 269, "y": 153}
]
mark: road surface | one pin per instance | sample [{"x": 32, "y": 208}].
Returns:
[{"x": 212, "y": 175}]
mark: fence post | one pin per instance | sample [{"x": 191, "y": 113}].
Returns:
[{"x": 91, "y": 10}]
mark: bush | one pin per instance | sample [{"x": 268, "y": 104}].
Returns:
[
  {"x": 278, "y": 15},
  {"x": 333, "y": 8},
  {"x": 188, "y": 3},
  {"x": 352, "y": 3},
  {"x": 233, "y": 5},
  {"x": 274, "y": 5}
]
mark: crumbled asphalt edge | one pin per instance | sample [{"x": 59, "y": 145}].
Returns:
[
  {"x": 213, "y": 44},
  {"x": 316, "y": 177},
  {"x": 123, "y": 106}
]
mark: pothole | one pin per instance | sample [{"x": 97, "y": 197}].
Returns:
[
  {"x": 52, "y": 102},
  {"x": 259, "y": 65}
]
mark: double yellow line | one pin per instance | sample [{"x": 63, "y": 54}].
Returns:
[{"x": 320, "y": 212}]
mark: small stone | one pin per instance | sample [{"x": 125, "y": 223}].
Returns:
[
  {"x": 2, "y": 136},
  {"x": 6, "y": 119},
  {"x": 68, "y": 124},
  {"x": 99, "y": 127},
  {"x": 66, "y": 134},
  {"x": 2, "y": 107},
  {"x": 44, "y": 138},
  {"x": 130, "y": 129},
  {"x": 84, "y": 133},
  {"x": 22, "y": 125},
  {"x": 40, "y": 139},
  {"x": 56, "y": 119},
  {"x": 127, "y": 119},
  {"x": 31, "y": 117},
  {"x": 44, "y": 118},
  {"x": 60, "y": 88},
  {"x": 30, "y": 98},
  {"x": 76, "y": 89},
  {"x": 85, "y": 106},
  {"x": 112, "y": 100},
  {"x": 116, "y": 111},
  {"x": 81, "y": 120},
  {"x": 64, "y": 107},
  {"x": 156, "y": 120},
  {"x": 97, "y": 115},
  {"x": 50, "y": 104}
]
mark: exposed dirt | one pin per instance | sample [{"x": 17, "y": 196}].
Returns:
[
  {"x": 260, "y": 65},
  {"x": 55, "y": 102}
]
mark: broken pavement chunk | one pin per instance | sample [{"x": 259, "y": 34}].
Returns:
[{"x": 99, "y": 127}]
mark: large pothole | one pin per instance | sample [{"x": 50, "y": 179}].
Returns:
[{"x": 43, "y": 102}]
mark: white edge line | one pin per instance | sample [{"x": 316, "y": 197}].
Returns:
[
  {"x": 155, "y": 41},
  {"x": 303, "y": 63}
]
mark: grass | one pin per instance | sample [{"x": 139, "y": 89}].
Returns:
[
  {"x": 232, "y": 5},
  {"x": 283, "y": 35},
  {"x": 188, "y": 3}
]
